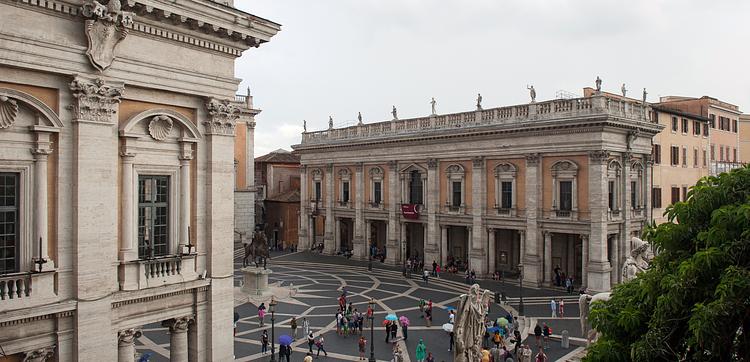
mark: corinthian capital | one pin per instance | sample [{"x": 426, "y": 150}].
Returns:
[
  {"x": 95, "y": 100},
  {"x": 128, "y": 336},
  {"x": 600, "y": 156},
  {"x": 222, "y": 117},
  {"x": 177, "y": 325}
]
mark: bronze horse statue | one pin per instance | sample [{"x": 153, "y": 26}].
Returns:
[{"x": 257, "y": 249}]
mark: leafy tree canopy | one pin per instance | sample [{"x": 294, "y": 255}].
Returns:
[{"x": 693, "y": 303}]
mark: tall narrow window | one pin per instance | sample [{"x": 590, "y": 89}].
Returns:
[
  {"x": 318, "y": 191},
  {"x": 695, "y": 157},
  {"x": 684, "y": 157},
  {"x": 566, "y": 195},
  {"x": 684, "y": 193},
  {"x": 377, "y": 192},
  {"x": 713, "y": 153},
  {"x": 153, "y": 216},
  {"x": 705, "y": 129},
  {"x": 656, "y": 197},
  {"x": 684, "y": 125},
  {"x": 675, "y": 195},
  {"x": 611, "y": 189},
  {"x": 456, "y": 194},
  {"x": 712, "y": 120},
  {"x": 9, "y": 207},
  {"x": 506, "y": 198},
  {"x": 657, "y": 154},
  {"x": 734, "y": 125},
  {"x": 415, "y": 188},
  {"x": 675, "y": 124},
  {"x": 704, "y": 158},
  {"x": 634, "y": 195},
  {"x": 721, "y": 153},
  {"x": 675, "y": 156},
  {"x": 345, "y": 191}
]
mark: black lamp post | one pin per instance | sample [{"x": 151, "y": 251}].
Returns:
[
  {"x": 520, "y": 289},
  {"x": 372, "y": 330},
  {"x": 272, "y": 308}
]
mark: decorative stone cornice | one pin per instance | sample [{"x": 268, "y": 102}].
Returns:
[
  {"x": 95, "y": 100},
  {"x": 360, "y": 167},
  {"x": 8, "y": 111},
  {"x": 107, "y": 26},
  {"x": 432, "y": 163},
  {"x": 222, "y": 118},
  {"x": 128, "y": 336},
  {"x": 532, "y": 159},
  {"x": 599, "y": 156}
]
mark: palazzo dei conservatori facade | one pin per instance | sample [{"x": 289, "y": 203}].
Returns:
[
  {"x": 117, "y": 131},
  {"x": 562, "y": 183}
]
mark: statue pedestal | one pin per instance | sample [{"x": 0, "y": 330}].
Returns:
[{"x": 255, "y": 280}]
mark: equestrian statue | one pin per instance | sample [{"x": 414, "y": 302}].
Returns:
[{"x": 257, "y": 249}]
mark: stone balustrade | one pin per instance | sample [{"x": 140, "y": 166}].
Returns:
[
  {"x": 23, "y": 290},
  {"x": 160, "y": 268},
  {"x": 149, "y": 273},
  {"x": 562, "y": 109}
]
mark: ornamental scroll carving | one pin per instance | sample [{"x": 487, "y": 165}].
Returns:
[
  {"x": 223, "y": 117},
  {"x": 106, "y": 28},
  {"x": 8, "y": 111},
  {"x": 95, "y": 100}
]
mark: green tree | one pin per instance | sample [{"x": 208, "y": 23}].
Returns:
[{"x": 693, "y": 303}]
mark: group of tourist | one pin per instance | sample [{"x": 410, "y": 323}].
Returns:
[
  {"x": 563, "y": 280},
  {"x": 557, "y": 308}
]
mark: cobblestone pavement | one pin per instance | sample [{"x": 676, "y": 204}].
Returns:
[{"x": 319, "y": 280}]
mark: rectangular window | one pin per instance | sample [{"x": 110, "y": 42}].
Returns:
[
  {"x": 566, "y": 195},
  {"x": 696, "y": 128},
  {"x": 675, "y": 124},
  {"x": 684, "y": 125},
  {"x": 345, "y": 191},
  {"x": 734, "y": 155},
  {"x": 684, "y": 157},
  {"x": 377, "y": 192},
  {"x": 704, "y": 158},
  {"x": 675, "y": 156},
  {"x": 415, "y": 188},
  {"x": 611, "y": 189},
  {"x": 713, "y": 153},
  {"x": 456, "y": 194},
  {"x": 656, "y": 197},
  {"x": 721, "y": 153},
  {"x": 734, "y": 125},
  {"x": 633, "y": 194},
  {"x": 656, "y": 154},
  {"x": 695, "y": 157},
  {"x": 675, "y": 195},
  {"x": 506, "y": 197},
  {"x": 318, "y": 191},
  {"x": 712, "y": 120},
  {"x": 153, "y": 216},
  {"x": 705, "y": 129},
  {"x": 9, "y": 222},
  {"x": 684, "y": 193}
]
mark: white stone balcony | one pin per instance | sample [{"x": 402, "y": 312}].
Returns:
[
  {"x": 157, "y": 272},
  {"x": 25, "y": 290}
]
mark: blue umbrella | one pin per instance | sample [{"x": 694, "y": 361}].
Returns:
[
  {"x": 145, "y": 357},
  {"x": 492, "y": 330},
  {"x": 391, "y": 317},
  {"x": 285, "y": 340},
  {"x": 450, "y": 308}
]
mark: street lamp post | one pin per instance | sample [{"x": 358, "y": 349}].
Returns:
[
  {"x": 371, "y": 303},
  {"x": 272, "y": 308},
  {"x": 520, "y": 289}
]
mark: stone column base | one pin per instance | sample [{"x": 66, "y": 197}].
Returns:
[
  {"x": 255, "y": 280},
  {"x": 599, "y": 277},
  {"x": 532, "y": 271}
]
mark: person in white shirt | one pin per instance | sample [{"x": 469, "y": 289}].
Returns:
[{"x": 553, "y": 306}]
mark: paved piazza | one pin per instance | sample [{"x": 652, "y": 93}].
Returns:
[{"x": 319, "y": 280}]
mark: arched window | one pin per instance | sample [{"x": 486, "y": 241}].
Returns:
[
  {"x": 376, "y": 187},
  {"x": 614, "y": 188},
  {"x": 345, "y": 182},
  {"x": 638, "y": 188},
  {"x": 505, "y": 189},
  {"x": 317, "y": 177}
]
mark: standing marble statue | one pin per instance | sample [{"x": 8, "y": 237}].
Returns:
[
  {"x": 330, "y": 122},
  {"x": 469, "y": 325},
  {"x": 479, "y": 101},
  {"x": 624, "y": 90},
  {"x": 598, "y": 84},
  {"x": 645, "y": 94},
  {"x": 393, "y": 112},
  {"x": 304, "y": 126},
  {"x": 532, "y": 93},
  {"x": 359, "y": 118},
  {"x": 636, "y": 263},
  {"x": 433, "y": 103}
]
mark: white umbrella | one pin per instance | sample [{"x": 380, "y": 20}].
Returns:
[{"x": 448, "y": 327}]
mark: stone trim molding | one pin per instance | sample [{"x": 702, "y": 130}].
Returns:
[
  {"x": 222, "y": 118},
  {"x": 532, "y": 159},
  {"x": 191, "y": 134},
  {"x": 45, "y": 111},
  {"x": 21, "y": 321},
  {"x": 150, "y": 298},
  {"x": 96, "y": 101}
]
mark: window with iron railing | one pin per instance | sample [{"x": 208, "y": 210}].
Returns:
[
  {"x": 153, "y": 216},
  {"x": 506, "y": 197},
  {"x": 9, "y": 222},
  {"x": 566, "y": 195},
  {"x": 377, "y": 192}
]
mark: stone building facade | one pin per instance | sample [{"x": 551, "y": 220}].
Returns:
[
  {"x": 546, "y": 184},
  {"x": 117, "y": 125},
  {"x": 277, "y": 181}
]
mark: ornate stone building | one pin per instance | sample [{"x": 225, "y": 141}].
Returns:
[
  {"x": 557, "y": 183},
  {"x": 117, "y": 125}
]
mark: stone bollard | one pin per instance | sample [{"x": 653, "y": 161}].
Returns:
[{"x": 565, "y": 340}]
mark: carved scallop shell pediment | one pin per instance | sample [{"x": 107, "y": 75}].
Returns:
[
  {"x": 160, "y": 127},
  {"x": 8, "y": 111}
]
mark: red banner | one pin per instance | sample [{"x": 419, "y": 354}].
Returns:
[{"x": 410, "y": 211}]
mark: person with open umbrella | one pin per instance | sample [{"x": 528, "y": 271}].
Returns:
[
  {"x": 387, "y": 325},
  {"x": 284, "y": 347},
  {"x": 394, "y": 330},
  {"x": 421, "y": 352},
  {"x": 404, "y": 327}
]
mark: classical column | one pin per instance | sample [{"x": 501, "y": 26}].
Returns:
[
  {"x": 401, "y": 242},
  {"x": 443, "y": 245},
  {"x": 522, "y": 245},
  {"x": 329, "y": 244},
  {"x": 178, "y": 338},
  {"x": 470, "y": 245},
  {"x": 547, "y": 276},
  {"x": 128, "y": 247},
  {"x": 648, "y": 168},
  {"x": 360, "y": 235},
  {"x": 337, "y": 235},
  {"x": 41, "y": 238},
  {"x": 491, "y": 268},
  {"x": 532, "y": 272},
  {"x": 431, "y": 250},
  {"x": 186, "y": 155},
  {"x": 392, "y": 248},
  {"x": 94, "y": 191},
  {"x": 126, "y": 345},
  {"x": 599, "y": 266},
  {"x": 250, "y": 154},
  {"x": 39, "y": 355},
  {"x": 304, "y": 242},
  {"x": 366, "y": 237},
  {"x": 584, "y": 260},
  {"x": 627, "y": 214},
  {"x": 478, "y": 251}
]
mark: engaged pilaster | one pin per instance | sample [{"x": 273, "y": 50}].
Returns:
[
  {"x": 329, "y": 244},
  {"x": 478, "y": 251},
  {"x": 41, "y": 152},
  {"x": 303, "y": 242},
  {"x": 599, "y": 266},
  {"x": 531, "y": 260}
]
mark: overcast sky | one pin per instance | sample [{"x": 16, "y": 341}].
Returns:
[{"x": 338, "y": 57}]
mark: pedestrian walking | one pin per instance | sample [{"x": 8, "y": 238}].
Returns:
[
  {"x": 293, "y": 323},
  {"x": 339, "y": 318},
  {"x": 285, "y": 351},
  {"x": 320, "y": 346},
  {"x": 310, "y": 341},
  {"x": 541, "y": 357},
  {"x": 569, "y": 285},
  {"x": 394, "y": 331},
  {"x": 546, "y": 331},
  {"x": 538, "y": 335},
  {"x": 264, "y": 342},
  {"x": 305, "y": 325},
  {"x": 421, "y": 308},
  {"x": 387, "y": 331},
  {"x": 434, "y": 268},
  {"x": 405, "y": 330},
  {"x": 369, "y": 315},
  {"x": 426, "y": 277},
  {"x": 451, "y": 317},
  {"x": 430, "y": 358},
  {"x": 362, "y": 345},
  {"x": 437, "y": 272},
  {"x": 261, "y": 313},
  {"x": 428, "y": 316},
  {"x": 517, "y": 340},
  {"x": 236, "y": 319},
  {"x": 421, "y": 352},
  {"x": 553, "y": 307},
  {"x": 450, "y": 341},
  {"x": 561, "y": 306}
]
